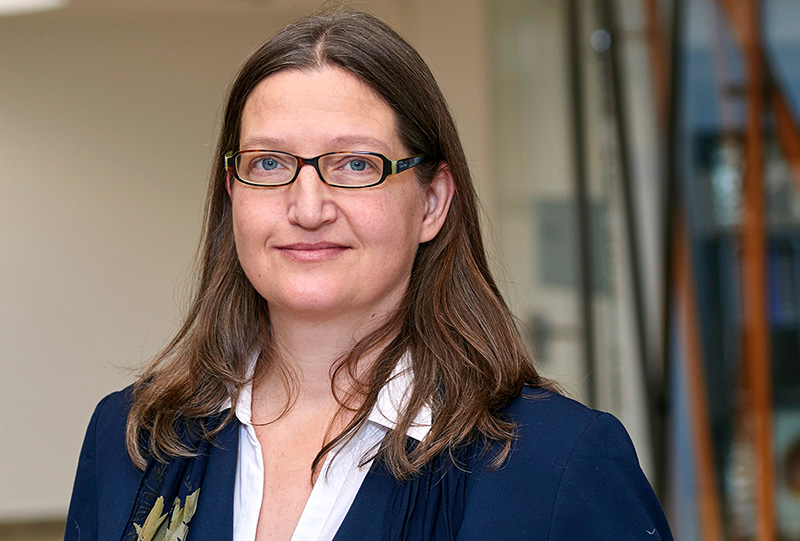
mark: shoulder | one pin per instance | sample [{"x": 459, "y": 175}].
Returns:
[
  {"x": 572, "y": 473},
  {"x": 539, "y": 409},
  {"x": 106, "y": 430},
  {"x": 106, "y": 479},
  {"x": 108, "y": 424},
  {"x": 555, "y": 431},
  {"x": 552, "y": 424},
  {"x": 113, "y": 409}
]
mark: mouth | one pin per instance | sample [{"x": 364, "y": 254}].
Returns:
[{"x": 312, "y": 251}]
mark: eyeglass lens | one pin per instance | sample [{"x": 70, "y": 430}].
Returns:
[{"x": 341, "y": 169}]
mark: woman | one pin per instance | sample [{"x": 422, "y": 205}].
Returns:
[{"x": 348, "y": 368}]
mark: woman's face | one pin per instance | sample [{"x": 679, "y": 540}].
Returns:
[{"x": 314, "y": 251}]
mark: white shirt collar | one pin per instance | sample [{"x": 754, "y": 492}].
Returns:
[{"x": 392, "y": 399}]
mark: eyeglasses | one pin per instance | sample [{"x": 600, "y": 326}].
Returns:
[{"x": 339, "y": 169}]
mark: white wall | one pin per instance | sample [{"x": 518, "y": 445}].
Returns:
[
  {"x": 534, "y": 159},
  {"x": 107, "y": 124}
]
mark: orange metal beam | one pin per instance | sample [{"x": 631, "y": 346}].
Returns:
[
  {"x": 786, "y": 127},
  {"x": 757, "y": 359},
  {"x": 736, "y": 10},
  {"x": 745, "y": 18},
  {"x": 705, "y": 469}
]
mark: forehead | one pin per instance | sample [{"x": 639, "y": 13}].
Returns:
[{"x": 313, "y": 108}]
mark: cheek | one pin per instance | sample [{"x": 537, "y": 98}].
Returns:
[
  {"x": 243, "y": 223},
  {"x": 395, "y": 222},
  {"x": 253, "y": 222}
]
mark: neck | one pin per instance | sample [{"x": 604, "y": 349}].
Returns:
[{"x": 308, "y": 349}]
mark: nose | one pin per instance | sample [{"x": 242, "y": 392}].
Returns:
[{"x": 310, "y": 203}]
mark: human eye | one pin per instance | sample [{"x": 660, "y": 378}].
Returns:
[
  {"x": 357, "y": 165},
  {"x": 354, "y": 163},
  {"x": 267, "y": 167},
  {"x": 268, "y": 163},
  {"x": 352, "y": 169}
]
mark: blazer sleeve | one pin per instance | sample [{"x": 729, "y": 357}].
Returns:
[
  {"x": 602, "y": 493},
  {"x": 82, "y": 514}
]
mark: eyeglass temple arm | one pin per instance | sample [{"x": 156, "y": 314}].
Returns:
[{"x": 401, "y": 165}]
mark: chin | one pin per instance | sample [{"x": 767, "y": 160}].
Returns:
[
  {"x": 307, "y": 301},
  {"x": 307, "y": 297}
]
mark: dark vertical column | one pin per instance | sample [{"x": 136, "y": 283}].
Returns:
[
  {"x": 670, "y": 210},
  {"x": 582, "y": 203},
  {"x": 664, "y": 109}
]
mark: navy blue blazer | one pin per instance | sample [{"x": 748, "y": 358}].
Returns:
[{"x": 572, "y": 475}]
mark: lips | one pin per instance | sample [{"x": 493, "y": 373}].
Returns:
[{"x": 312, "y": 251}]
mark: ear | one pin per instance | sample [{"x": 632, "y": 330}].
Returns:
[
  {"x": 438, "y": 196},
  {"x": 228, "y": 183}
]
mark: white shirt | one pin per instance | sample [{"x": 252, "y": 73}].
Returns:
[{"x": 340, "y": 476}]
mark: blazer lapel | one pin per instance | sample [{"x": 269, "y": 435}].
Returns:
[
  {"x": 429, "y": 505},
  {"x": 213, "y": 520},
  {"x": 366, "y": 517}
]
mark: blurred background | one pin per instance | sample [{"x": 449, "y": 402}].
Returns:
[{"x": 638, "y": 163}]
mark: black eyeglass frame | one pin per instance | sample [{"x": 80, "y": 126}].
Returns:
[{"x": 390, "y": 167}]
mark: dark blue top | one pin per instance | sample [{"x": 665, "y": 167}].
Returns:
[{"x": 572, "y": 475}]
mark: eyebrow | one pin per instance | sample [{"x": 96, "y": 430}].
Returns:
[
  {"x": 357, "y": 142},
  {"x": 262, "y": 143},
  {"x": 339, "y": 143}
]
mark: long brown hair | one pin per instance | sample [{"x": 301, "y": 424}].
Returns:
[{"x": 468, "y": 359}]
